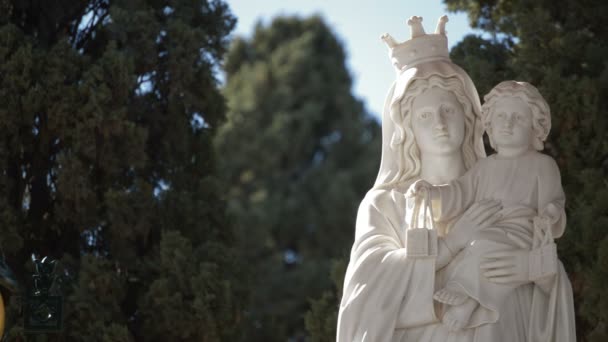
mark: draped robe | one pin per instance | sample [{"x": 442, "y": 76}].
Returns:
[{"x": 387, "y": 296}]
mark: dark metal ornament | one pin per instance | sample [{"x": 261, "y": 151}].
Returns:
[{"x": 43, "y": 308}]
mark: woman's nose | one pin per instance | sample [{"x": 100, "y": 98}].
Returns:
[{"x": 438, "y": 120}]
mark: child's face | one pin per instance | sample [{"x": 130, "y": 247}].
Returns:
[{"x": 511, "y": 123}]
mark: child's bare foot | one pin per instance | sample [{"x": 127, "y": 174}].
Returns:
[
  {"x": 448, "y": 297},
  {"x": 457, "y": 317}
]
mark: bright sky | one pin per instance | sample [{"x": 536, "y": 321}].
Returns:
[{"x": 359, "y": 25}]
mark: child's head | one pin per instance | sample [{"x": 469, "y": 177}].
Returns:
[{"x": 515, "y": 108}]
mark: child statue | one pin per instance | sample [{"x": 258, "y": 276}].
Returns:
[{"x": 525, "y": 182}]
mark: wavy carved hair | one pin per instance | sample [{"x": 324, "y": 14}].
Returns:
[
  {"x": 403, "y": 140},
  {"x": 541, "y": 114}
]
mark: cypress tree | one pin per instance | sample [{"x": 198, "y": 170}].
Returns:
[
  {"x": 298, "y": 153},
  {"x": 107, "y": 113}
]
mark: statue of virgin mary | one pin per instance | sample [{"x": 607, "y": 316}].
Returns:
[{"x": 388, "y": 294}]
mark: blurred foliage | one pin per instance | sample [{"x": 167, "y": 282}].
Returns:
[
  {"x": 322, "y": 318},
  {"x": 107, "y": 114},
  {"x": 298, "y": 154},
  {"x": 486, "y": 61}
]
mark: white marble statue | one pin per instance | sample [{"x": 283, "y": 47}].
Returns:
[{"x": 432, "y": 131}]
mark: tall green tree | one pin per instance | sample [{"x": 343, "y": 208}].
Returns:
[
  {"x": 107, "y": 113},
  {"x": 487, "y": 61},
  {"x": 561, "y": 48},
  {"x": 298, "y": 153}
]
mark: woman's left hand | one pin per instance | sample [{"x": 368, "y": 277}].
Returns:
[{"x": 508, "y": 267}]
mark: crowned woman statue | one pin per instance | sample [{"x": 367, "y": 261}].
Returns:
[{"x": 432, "y": 131}]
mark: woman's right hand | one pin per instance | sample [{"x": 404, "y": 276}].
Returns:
[{"x": 479, "y": 216}]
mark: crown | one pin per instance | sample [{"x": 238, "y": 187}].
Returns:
[{"x": 421, "y": 47}]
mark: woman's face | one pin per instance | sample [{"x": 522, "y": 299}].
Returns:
[{"x": 438, "y": 122}]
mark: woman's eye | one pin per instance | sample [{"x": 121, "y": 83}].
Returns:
[{"x": 425, "y": 115}]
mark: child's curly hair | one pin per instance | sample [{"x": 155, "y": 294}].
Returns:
[{"x": 541, "y": 114}]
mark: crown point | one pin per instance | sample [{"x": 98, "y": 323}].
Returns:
[
  {"x": 416, "y": 29},
  {"x": 389, "y": 40},
  {"x": 441, "y": 25},
  {"x": 421, "y": 47},
  {"x": 414, "y": 20}
]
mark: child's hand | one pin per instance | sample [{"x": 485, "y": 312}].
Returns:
[
  {"x": 542, "y": 230},
  {"x": 542, "y": 222},
  {"x": 552, "y": 213}
]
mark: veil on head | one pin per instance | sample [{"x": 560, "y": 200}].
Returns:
[{"x": 419, "y": 58}]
